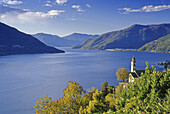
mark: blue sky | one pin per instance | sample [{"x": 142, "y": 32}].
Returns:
[{"x": 63, "y": 17}]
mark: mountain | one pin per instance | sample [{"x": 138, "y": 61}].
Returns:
[
  {"x": 67, "y": 41},
  {"x": 160, "y": 45},
  {"x": 132, "y": 37},
  {"x": 54, "y": 40},
  {"x": 13, "y": 41},
  {"x": 79, "y": 38}
]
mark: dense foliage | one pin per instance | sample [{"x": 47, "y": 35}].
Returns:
[
  {"x": 122, "y": 74},
  {"x": 160, "y": 45},
  {"x": 150, "y": 94}
]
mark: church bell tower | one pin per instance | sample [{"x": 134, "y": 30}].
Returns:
[{"x": 133, "y": 65}]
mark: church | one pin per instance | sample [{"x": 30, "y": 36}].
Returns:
[{"x": 134, "y": 74}]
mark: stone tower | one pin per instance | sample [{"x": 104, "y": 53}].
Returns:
[{"x": 133, "y": 65}]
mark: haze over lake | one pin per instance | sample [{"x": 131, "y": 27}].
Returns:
[{"x": 25, "y": 78}]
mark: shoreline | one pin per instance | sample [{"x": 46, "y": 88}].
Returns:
[{"x": 118, "y": 49}]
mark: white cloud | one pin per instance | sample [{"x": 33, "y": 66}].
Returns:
[
  {"x": 48, "y": 1},
  {"x": 2, "y": 16},
  {"x": 34, "y": 16},
  {"x": 54, "y": 12},
  {"x": 6, "y": 9},
  {"x": 78, "y": 8},
  {"x": 88, "y": 5},
  {"x": 149, "y": 8},
  {"x": 61, "y": 2},
  {"x": 26, "y": 10},
  {"x": 11, "y": 2},
  {"x": 48, "y": 5},
  {"x": 71, "y": 19},
  {"x": 16, "y": 15}
]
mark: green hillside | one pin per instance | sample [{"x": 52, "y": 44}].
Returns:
[
  {"x": 160, "y": 45},
  {"x": 132, "y": 37}
]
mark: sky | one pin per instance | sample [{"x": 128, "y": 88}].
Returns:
[{"x": 63, "y": 17}]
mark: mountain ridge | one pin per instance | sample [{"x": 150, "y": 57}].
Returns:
[
  {"x": 80, "y": 37},
  {"x": 12, "y": 41},
  {"x": 132, "y": 37},
  {"x": 66, "y": 41},
  {"x": 160, "y": 45},
  {"x": 54, "y": 40}
]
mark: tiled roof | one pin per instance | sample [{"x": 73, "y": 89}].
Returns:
[
  {"x": 134, "y": 74},
  {"x": 140, "y": 71},
  {"x": 137, "y": 74}
]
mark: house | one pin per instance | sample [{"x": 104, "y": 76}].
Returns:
[{"x": 134, "y": 74}]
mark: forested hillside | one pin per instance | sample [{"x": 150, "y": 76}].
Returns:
[
  {"x": 132, "y": 37},
  {"x": 160, "y": 45},
  {"x": 13, "y": 41}
]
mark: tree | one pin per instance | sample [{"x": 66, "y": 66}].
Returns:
[
  {"x": 122, "y": 74},
  {"x": 85, "y": 102},
  {"x": 43, "y": 105},
  {"x": 92, "y": 90},
  {"x": 73, "y": 94},
  {"x": 150, "y": 94},
  {"x": 69, "y": 104},
  {"x": 98, "y": 104},
  {"x": 106, "y": 88}
]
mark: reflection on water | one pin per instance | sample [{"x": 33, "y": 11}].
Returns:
[{"x": 25, "y": 78}]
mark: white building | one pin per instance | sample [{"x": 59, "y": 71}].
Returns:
[{"x": 134, "y": 74}]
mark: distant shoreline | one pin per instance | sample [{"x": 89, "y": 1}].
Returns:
[{"x": 118, "y": 49}]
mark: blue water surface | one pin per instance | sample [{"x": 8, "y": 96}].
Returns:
[{"x": 25, "y": 78}]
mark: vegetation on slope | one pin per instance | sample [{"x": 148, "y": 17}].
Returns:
[
  {"x": 160, "y": 45},
  {"x": 79, "y": 37},
  {"x": 133, "y": 37},
  {"x": 13, "y": 41},
  {"x": 149, "y": 95}
]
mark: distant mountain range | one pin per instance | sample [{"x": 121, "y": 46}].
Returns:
[
  {"x": 132, "y": 37},
  {"x": 67, "y": 41},
  {"x": 80, "y": 38},
  {"x": 160, "y": 45},
  {"x": 54, "y": 40},
  {"x": 13, "y": 41},
  {"x": 152, "y": 38}
]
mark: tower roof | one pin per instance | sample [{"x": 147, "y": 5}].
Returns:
[{"x": 133, "y": 59}]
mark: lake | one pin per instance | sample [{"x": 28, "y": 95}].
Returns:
[{"x": 25, "y": 78}]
